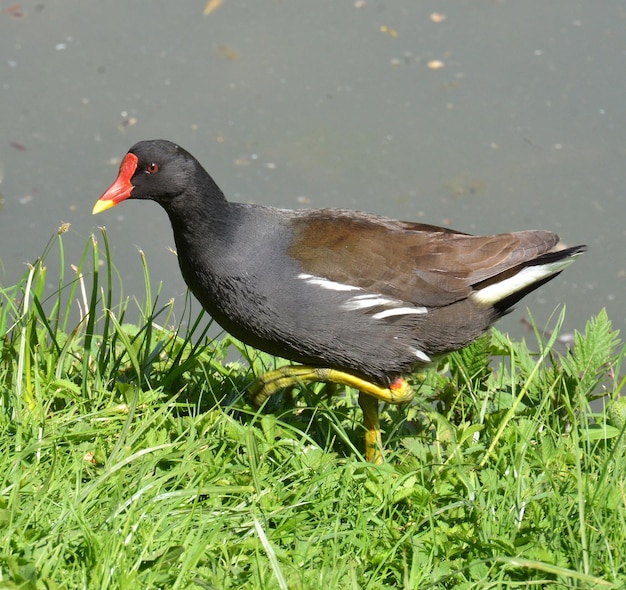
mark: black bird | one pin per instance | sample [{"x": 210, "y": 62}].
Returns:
[{"x": 358, "y": 299}]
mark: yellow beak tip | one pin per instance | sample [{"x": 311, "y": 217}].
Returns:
[{"x": 102, "y": 206}]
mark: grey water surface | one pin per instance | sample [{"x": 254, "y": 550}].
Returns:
[{"x": 483, "y": 115}]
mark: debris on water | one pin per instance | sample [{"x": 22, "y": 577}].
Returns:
[
  {"x": 465, "y": 186},
  {"x": 129, "y": 122},
  {"x": 228, "y": 52},
  {"x": 435, "y": 64},
  {"x": 211, "y": 6},
  {"x": 391, "y": 32},
  {"x": 20, "y": 147},
  {"x": 14, "y": 11}
]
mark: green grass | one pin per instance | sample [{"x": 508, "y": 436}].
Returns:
[{"x": 130, "y": 457}]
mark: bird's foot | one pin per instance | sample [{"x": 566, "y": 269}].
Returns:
[{"x": 399, "y": 392}]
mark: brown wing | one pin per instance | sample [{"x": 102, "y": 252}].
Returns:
[{"x": 417, "y": 263}]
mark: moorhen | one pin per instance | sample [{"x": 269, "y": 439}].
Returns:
[{"x": 359, "y": 300}]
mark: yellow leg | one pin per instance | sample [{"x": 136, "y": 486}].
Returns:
[
  {"x": 398, "y": 392},
  {"x": 373, "y": 439}
]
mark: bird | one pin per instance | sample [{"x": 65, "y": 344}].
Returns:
[{"x": 354, "y": 299}]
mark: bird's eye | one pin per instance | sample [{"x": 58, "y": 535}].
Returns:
[{"x": 152, "y": 168}]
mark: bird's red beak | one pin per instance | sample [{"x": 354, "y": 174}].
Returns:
[{"x": 121, "y": 188}]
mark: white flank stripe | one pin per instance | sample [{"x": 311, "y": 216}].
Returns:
[
  {"x": 365, "y": 301},
  {"x": 526, "y": 277},
  {"x": 371, "y": 296},
  {"x": 422, "y": 356},
  {"x": 326, "y": 284},
  {"x": 387, "y": 313}
]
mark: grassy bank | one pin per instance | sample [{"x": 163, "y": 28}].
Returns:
[{"x": 131, "y": 458}]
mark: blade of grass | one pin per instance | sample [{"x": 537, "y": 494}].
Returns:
[
  {"x": 271, "y": 555},
  {"x": 24, "y": 358},
  {"x": 91, "y": 317},
  {"x": 107, "y": 299}
]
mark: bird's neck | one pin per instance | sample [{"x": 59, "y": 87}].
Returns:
[{"x": 203, "y": 222}]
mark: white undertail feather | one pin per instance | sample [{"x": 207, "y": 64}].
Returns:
[{"x": 524, "y": 278}]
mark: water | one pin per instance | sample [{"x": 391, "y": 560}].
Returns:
[{"x": 486, "y": 116}]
